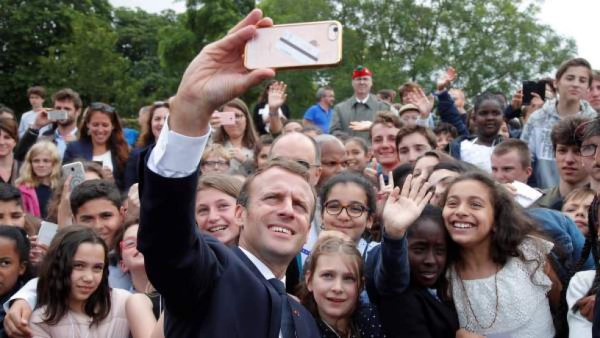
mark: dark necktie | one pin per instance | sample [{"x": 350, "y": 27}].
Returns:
[{"x": 287, "y": 322}]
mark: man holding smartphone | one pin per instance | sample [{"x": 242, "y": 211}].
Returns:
[
  {"x": 60, "y": 132},
  {"x": 361, "y": 107}
]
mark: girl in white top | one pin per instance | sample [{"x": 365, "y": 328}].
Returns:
[
  {"x": 74, "y": 299},
  {"x": 498, "y": 276}
]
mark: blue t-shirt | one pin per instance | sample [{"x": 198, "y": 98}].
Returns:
[
  {"x": 131, "y": 136},
  {"x": 321, "y": 118}
]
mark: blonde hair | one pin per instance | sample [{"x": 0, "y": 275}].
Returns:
[
  {"x": 26, "y": 174},
  {"x": 217, "y": 150}
]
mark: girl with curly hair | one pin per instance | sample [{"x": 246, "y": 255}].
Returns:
[
  {"x": 499, "y": 278},
  {"x": 74, "y": 299}
]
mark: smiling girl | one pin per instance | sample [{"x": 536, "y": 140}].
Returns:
[
  {"x": 74, "y": 299},
  {"x": 39, "y": 175},
  {"x": 499, "y": 278},
  {"x": 332, "y": 284}
]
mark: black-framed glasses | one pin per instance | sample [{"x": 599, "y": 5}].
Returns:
[
  {"x": 107, "y": 108},
  {"x": 353, "y": 210},
  {"x": 589, "y": 150},
  {"x": 303, "y": 163}
]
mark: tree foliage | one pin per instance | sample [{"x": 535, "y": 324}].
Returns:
[{"x": 131, "y": 58}]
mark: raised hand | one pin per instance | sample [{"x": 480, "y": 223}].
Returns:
[
  {"x": 446, "y": 79},
  {"x": 402, "y": 208},
  {"x": 277, "y": 96},
  {"x": 421, "y": 100},
  {"x": 517, "y": 100},
  {"x": 216, "y": 76},
  {"x": 41, "y": 118}
]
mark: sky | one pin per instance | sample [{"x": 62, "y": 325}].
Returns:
[{"x": 569, "y": 18}]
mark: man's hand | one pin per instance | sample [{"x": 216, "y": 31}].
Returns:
[
  {"x": 517, "y": 100},
  {"x": 41, "y": 119},
  {"x": 360, "y": 125},
  {"x": 446, "y": 79},
  {"x": 277, "y": 97},
  {"x": 16, "y": 321},
  {"x": 403, "y": 208},
  {"x": 216, "y": 76}
]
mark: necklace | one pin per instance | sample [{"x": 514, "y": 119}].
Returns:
[{"x": 464, "y": 290}]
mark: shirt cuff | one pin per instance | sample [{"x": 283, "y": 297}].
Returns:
[{"x": 177, "y": 155}]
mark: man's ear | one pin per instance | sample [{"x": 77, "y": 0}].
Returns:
[{"x": 240, "y": 215}]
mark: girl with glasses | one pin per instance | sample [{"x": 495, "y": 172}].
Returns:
[{"x": 101, "y": 140}]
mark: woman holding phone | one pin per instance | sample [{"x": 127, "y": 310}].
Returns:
[
  {"x": 101, "y": 140},
  {"x": 238, "y": 138}
]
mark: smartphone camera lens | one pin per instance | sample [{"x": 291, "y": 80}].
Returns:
[{"x": 333, "y": 32}]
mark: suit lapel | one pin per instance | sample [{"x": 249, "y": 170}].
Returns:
[
  {"x": 442, "y": 307},
  {"x": 273, "y": 295}
]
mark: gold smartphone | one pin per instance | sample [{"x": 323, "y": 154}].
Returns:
[{"x": 298, "y": 45}]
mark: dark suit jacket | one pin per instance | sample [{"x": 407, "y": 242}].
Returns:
[
  {"x": 131, "y": 176},
  {"x": 81, "y": 149},
  {"x": 210, "y": 290},
  {"x": 416, "y": 313}
]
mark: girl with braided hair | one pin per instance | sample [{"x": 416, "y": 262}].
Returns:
[{"x": 584, "y": 285}]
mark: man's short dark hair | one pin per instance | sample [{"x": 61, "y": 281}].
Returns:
[
  {"x": 95, "y": 189},
  {"x": 387, "y": 94},
  {"x": 426, "y": 132},
  {"x": 590, "y": 129},
  {"x": 285, "y": 164},
  {"x": 36, "y": 90},
  {"x": 70, "y": 95},
  {"x": 445, "y": 127},
  {"x": 385, "y": 117},
  {"x": 8, "y": 193},
  {"x": 564, "y": 132},
  {"x": 517, "y": 145}
]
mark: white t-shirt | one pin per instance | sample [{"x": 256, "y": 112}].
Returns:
[{"x": 105, "y": 158}]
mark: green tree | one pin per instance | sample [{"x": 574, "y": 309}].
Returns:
[
  {"x": 28, "y": 29},
  {"x": 90, "y": 64}
]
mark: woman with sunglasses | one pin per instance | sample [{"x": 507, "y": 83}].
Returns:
[
  {"x": 157, "y": 117},
  {"x": 101, "y": 140}
]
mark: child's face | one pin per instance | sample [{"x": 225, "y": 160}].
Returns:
[
  {"x": 354, "y": 218},
  {"x": 443, "y": 139},
  {"x": 11, "y": 266},
  {"x": 86, "y": 274},
  {"x": 41, "y": 164},
  {"x": 356, "y": 158},
  {"x": 132, "y": 258},
  {"x": 11, "y": 213},
  {"x": 334, "y": 285},
  {"x": 103, "y": 216},
  {"x": 215, "y": 215},
  {"x": 577, "y": 210},
  {"x": 469, "y": 214},
  {"x": 427, "y": 252},
  {"x": 488, "y": 118},
  {"x": 573, "y": 85},
  {"x": 215, "y": 164}
]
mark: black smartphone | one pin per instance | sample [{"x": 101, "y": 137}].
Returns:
[{"x": 533, "y": 87}]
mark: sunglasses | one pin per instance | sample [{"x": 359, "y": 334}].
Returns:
[{"x": 102, "y": 107}]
